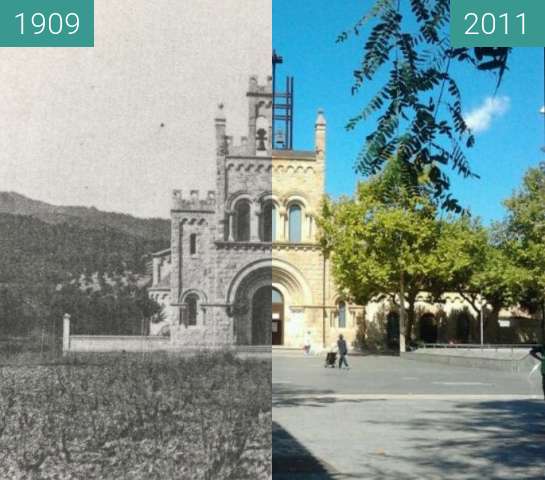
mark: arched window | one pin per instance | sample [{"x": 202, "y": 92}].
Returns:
[
  {"x": 193, "y": 244},
  {"x": 295, "y": 223},
  {"x": 242, "y": 221},
  {"x": 341, "y": 307},
  {"x": 268, "y": 222},
  {"x": 191, "y": 309}
]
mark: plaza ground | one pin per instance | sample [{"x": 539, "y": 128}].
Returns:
[{"x": 390, "y": 418}]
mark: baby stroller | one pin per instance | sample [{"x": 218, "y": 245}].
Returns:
[{"x": 330, "y": 359}]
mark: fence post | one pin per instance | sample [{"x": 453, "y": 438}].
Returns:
[{"x": 65, "y": 333}]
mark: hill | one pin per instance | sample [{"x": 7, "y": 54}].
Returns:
[
  {"x": 85, "y": 217},
  {"x": 43, "y": 246},
  {"x": 36, "y": 252}
]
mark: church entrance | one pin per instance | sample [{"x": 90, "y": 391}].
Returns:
[
  {"x": 261, "y": 316},
  {"x": 277, "y": 304}
]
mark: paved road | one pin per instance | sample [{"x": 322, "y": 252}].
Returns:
[{"x": 388, "y": 418}]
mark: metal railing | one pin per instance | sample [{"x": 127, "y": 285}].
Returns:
[{"x": 478, "y": 346}]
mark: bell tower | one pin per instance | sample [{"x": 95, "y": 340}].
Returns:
[
  {"x": 260, "y": 117},
  {"x": 282, "y": 121}
]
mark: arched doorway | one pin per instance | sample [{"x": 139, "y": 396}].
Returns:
[
  {"x": 277, "y": 303},
  {"x": 428, "y": 328},
  {"x": 392, "y": 329},
  {"x": 245, "y": 298},
  {"x": 252, "y": 308},
  {"x": 261, "y": 316}
]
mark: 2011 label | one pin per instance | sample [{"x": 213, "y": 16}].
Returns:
[
  {"x": 488, "y": 23},
  {"x": 497, "y": 23}
]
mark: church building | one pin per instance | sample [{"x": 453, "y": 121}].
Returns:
[{"x": 245, "y": 267}]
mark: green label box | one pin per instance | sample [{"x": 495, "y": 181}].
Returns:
[
  {"x": 47, "y": 23},
  {"x": 497, "y": 23}
]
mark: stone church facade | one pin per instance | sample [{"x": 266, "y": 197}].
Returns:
[{"x": 244, "y": 267}]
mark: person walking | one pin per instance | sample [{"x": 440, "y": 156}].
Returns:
[
  {"x": 307, "y": 342},
  {"x": 343, "y": 351},
  {"x": 539, "y": 354}
]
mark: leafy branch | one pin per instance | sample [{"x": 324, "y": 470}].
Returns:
[{"x": 419, "y": 107}]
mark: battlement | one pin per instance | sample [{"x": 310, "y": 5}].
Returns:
[
  {"x": 240, "y": 148},
  {"x": 193, "y": 202},
  {"x": 254, "y": 88}
]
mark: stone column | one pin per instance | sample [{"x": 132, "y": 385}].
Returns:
[
  {"x": 255, "y": 212},
  {"x": 156, "y": 270},
  {"x": 283, "y": 225},
  {"x": 65, "y": 334},
  {"x": 231, "y": 236}
]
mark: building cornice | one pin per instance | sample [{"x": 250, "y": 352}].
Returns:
[
  {"x": 262, "y": 246},
  {"x": 296, "y": 246}
]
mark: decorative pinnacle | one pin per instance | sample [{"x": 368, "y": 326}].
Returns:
[
  {"x": 320, "y": 119},
  {"x": 220, "y": 115}
]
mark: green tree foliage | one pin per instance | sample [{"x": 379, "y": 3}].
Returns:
[
  {"x": 389, "y": 241},
  {"x": 419, "y": 107},
  {"x": 525, "y": 228},
  {"x": 383, "y": 241},
  {"x": 480, "y": 264}
]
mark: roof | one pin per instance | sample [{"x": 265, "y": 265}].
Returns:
[
  {"x": 164, "y": 283},
  {"x": 162, "y": 253}
]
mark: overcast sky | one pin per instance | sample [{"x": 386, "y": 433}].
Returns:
[{"x": 83, "y": 126}]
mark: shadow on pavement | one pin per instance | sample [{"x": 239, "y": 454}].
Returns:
[
  {"x": 292, "y": 397},
  {"x": 292, "y": 461},
  {"x": 489, "y": 440},
  {"x": 308, "y": 397}
]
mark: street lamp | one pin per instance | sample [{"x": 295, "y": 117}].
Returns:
[{"x": 483, "y": 306}]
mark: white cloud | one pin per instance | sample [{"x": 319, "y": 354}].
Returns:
[{"x": 480, "y": 118}]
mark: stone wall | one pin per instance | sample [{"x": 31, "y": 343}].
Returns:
[{"x": 105, "y": 344}]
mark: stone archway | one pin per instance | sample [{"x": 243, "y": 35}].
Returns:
[
  {"x": 249, "y": 317},
  {"x": 252, "y": 308},
  {"x": 261, "y": 314}
]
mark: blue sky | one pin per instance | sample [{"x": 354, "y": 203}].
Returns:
[{"x": 509, "y": 129}]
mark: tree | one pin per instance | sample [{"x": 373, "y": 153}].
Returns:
[
  {"x": 13, "y": 319},
  {"x": 382, "y": 243},
  {"x": 482, "y": 265},
  {"x": 419, "y": 107},
  {"x": 525, "y": 227},
  {"x": 389, "y": 242},
  {"x": 111, "y": 309}
]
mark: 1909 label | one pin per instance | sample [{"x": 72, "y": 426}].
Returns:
[{"x": 46, "y": 23}]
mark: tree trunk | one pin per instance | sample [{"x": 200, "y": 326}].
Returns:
[
  {"x": 543, "y": 322},
  {"x": 491, "y": 324},
  {"x": 411, "y": 316},
  {"x": 402, "y": 314}
]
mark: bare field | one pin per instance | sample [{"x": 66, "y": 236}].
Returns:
[{"x": 202, "y": 417}]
